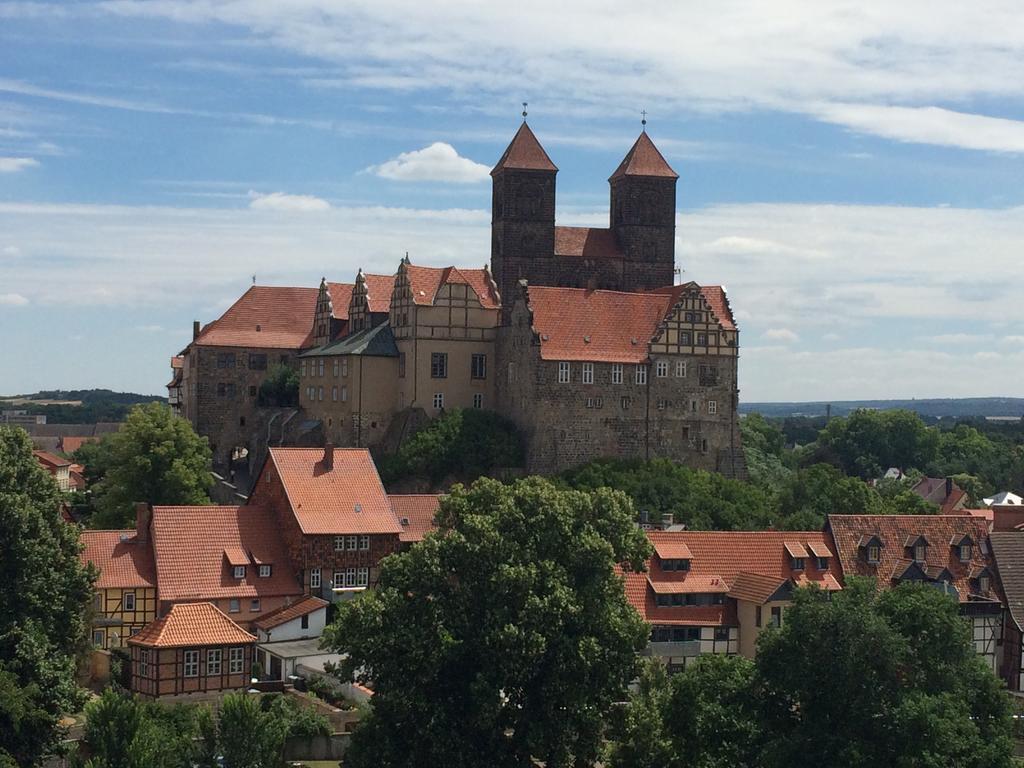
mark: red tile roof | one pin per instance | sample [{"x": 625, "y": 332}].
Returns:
[
  {"x": 378, "y": 291},
  {"x": 425, "y": 282},
  {"x": 69, "y": 444},
  {"x": 892, "y": 531},
  {"x": 587, "y": 242},
  {"x": 348, "y": 498},
  {"x": 191, "y": 543},
  {"x": 524, "y": 152},
  {"x": 121, "y": 560},
  {"x": 341, "y": 297},
  {"x": 415, "y": 513},
  {"x": 644, "y": 159},
  {"x": 49, "y": 461},
  {"x": 284, "y": 317},
  {"x": 603, "y": 326},
  {"x": 755, "y": 588},
  {"x": 286, "y": 613},
  {"x": 672, "y": 549},
  {"x": 191, "y": 624},
  {"x": 714, "y": 295}
]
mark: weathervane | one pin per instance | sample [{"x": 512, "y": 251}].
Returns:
[
  {"x": 524, "y": 111},
  {"x": 643, "y": 119}
]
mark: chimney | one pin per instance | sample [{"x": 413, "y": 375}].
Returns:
[
  {"x": 666, "y": 520},
  {"x": 142, "y": 517},
  {"x": 195, "y": 330},
  {"x": 328, "y": 455},
  {"x": 949, "y": 487}
]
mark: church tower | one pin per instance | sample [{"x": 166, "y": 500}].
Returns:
[
  {"x": 522, "y": 215},
  {"x": 643, "y": 216}
]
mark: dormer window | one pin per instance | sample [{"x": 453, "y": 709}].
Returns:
[
  {"x": 675, "y": 564},
  {"x": 265, "y": 571},
  {"x": 917, "y": 548},
  {"x": 797, "y": 555},
  {"x": 238, "y": 571},
  {"x": 920, "y": 553},
  {"x": 822, "y": 563},
  {"x": 963, "y": 547},
  {"x": 966, "y": 553},
  {"x": 983, "y": 582},
  {"x": 873, "y": 553},
  {"x": 798, "y": 563}
]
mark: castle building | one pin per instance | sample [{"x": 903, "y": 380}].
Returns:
[{"x": 577, "y": 334}]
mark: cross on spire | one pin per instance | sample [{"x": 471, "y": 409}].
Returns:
[
  {"x": 643, "y": 119},
  {"x": 524, "y": 111}
]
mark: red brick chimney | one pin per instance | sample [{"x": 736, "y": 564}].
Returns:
[
  {"x": 142, "y": 517},
  {"x": 328, "y": 461},
  {"x": 195, "y": 330}
]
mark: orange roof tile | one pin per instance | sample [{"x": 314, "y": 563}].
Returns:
[
  {"x": 641, "y": 596},
  {"x": 588, "y": 242},
  {"x": 49, "y": 461},
  {"x": 892, "y": 531},
  {"x": 190, "y": 544},
  {"x": 425, "y": 282},
  {"x": 191, "y": 624},
  {"x": 378, "y": 291},
  {"x": 602, "y": 326},
  {"x": 286, "y": 613},
  {"x": 284, "y": 317},
  {"x": 819, "y": 549},
  {"x": 178, "y": 361},
  {"x": 348, "y": 498},
  {"x": 524, "y": 152},
  {"x": 341, "y": 297},
  {"x": 719, "y": 303},
  {"x": 415, "y": 513},
  {"x": 121, "y": 560},
  {"x": 69, "y": 444},
  {"x": 754, "y": 587},
  {"x": 672, "y": 550},
  {"x": 703, "y": 583},
  {"x": 644, "y": 159},
  {"x": 795, "y": 549}
]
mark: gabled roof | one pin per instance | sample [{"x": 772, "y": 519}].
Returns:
[
  {"x": 587, "y": 242},
  {"x": 286, "y": 613},
  {"x": 347, "y": 498},
  {"x": 122, "y": 561},
  {"x": 378, "y": 341},
  {"x": 644, "y": 159},
  {"x": 341, "y": 297},
  {"x": 714, "y": 295},
  {"x": 196, "y": 547},
  {"x": 524, "y": 152},
  {"x": 425, "y": 282},
  {"x": 415, "y": 513},
  {"x": 672, "y": 549},
  {"x": 686, "y": 585},
  {"x": 378, "y": 291},
  {"x": 191, "y": 624},
  {"x": 756, "y": 588},
  {"x": 71, "y": 444},
  {"x": 851, "y": 532},
  {"x": 284, "y": 317},
  {"x": 602, "y": 326},
  {"x": 1008, "y": 553},
  {"x": 49, "y": 461}
]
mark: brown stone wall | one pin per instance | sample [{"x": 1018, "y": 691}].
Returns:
[
  {"x": 269, "y": 492},
  {"x": 643, "y": 214}
]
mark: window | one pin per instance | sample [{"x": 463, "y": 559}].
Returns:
[
  {"x": 438, "y": 401},
  {"x": 252, "y": 390},
  {"x": 239, "y": 571},
  {"x": 144, "y": 662},
  {"x": 225, "y": 389},
  {"x": 234, "y": 605},
  {"x": 213, "y": 661},
  {"x": 334, "y": 394},
  {"x": 965, "y": 553},
  {"x": 304, "y": 622},
  {"x": 363, "y": 577},
  {"x": 681, "y": 369},
  {"x": 776, "y": 616},
  {"x": 874, "y": 553},
  {"x": 320, "y": 367},
  {"x": 225, "y": 359},
  {"x": 401, "y": 365},
  {"x": 339, "y": 579},
  {"x": 439, "y": 365},
  {"x": 595, "y": 402},
  {"x": 364, "y": 542},
  {"x": 344, "y": 393},
  {"x": 344, "y": 367},
  {"x": 302, "y": 371},
  {"x": 920, "y": 553},
  {"x": 798, "y": 563},
  {"x": 337, "y": 368},
  {"x": 624, "y": 403},
  {"x": 616, "y": 373},
  {"x": 702, "y": 339},
  {"x": 684, "y": 338},
  {"x": 721, "y": 633},
  {"x": 257, "y": 362},
  {"x": 478, "y": 400},
  {"x": 191, "y": 663},
  {"x": 661, "y": 369},
  {"x": 757, "y": 615},
  {"x": 320, "y": 393},
  {"x": 588, "y": 373},
  {"x": 339, "y": 543},
  {"x": 350, "y": 577},
  {"x": 564, "y": 373},
  {"x": 314, "y": 578},
  {"x": 478, "y": 367},
  {"x": 641, "y": 374},
  {"x": 712, "y": 407},
  {"x": 97, "y": 601},
  {"x": 254, "y": 605},
  {"x": 822, "y": 563},
  {"x": 236, "y": 657},
  {"x": 983, "y": 584},
  {"x": 129, "y": 601},
  {"x": 97, "y": 637},
  {"x": 351, "y": 543},
  {"x": 264, "y": 571}
]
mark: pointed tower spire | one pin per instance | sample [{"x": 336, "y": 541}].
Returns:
[
  {"x": 524, "y": 153},
  {"x": 644, "y": 159}
]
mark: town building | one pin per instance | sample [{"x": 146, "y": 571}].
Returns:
[
  {"x": 193, "y": 649},
  {"x": 1008, "y": 555},
  {"x": 415, "y": 513},
  {"x": 125, "y": 589},
  {"x": 942, "y": 492},
  {"x": 291, "y": 635},
  {"x": 715, "y": 591},
  {"x": 578, "y": 334},
  {"x": 59, "y": 468}
]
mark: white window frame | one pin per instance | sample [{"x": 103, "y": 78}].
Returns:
[
  {"x": 438, "y": 401},
  {"x": 339, "y": 543},
  {"x": 213, "y": 661},
  {"x": 191, "y": 664},
  {"x": 126, "y": 598},
  {"x": 478, "y": 400},
  {"x": 255, "y": 606},
  {"x": 616, "y": 373},
  {"x": 588, "y": 373},
  {"x": 236, "y": 661},
  {"x": 144, "y": 662},
  {"x": 564, "y": 372},
  {"x": 364, "y": 542},
  {"x": 238, "y": 571},
  {"x": 680, "y": 369},
  {"x": 338, "y": 579},
  {"x": 641, "y": 373},
  {"x": 350, "y": 577},
  {"x": 321, "y": 368},
  {"x": 265, "y": 571},
  {"x": 344, "y": 393},
  {"x": 234, "y": 605},
  {"x": 337, "y": 368},
  {"x": 344, "y": 367},
  {"x": 351, "y": 543},
  {"x": 712, "y": 407},
  {"x": 661, "y": 369},
  {"x": 314, "y": 578},
  {"x": 363, "y": 577}
]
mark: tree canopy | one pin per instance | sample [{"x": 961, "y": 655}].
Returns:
[
  {"x": 155, "y": 457},
  {"x": 505, "y": 637},
  {"x": 43, "y": 604},
  {"x": 281, "y": 387}
]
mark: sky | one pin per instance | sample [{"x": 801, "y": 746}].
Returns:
[{"x": 850, "y": 171}]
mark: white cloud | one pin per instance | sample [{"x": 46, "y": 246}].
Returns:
[
  {"x": 12, "y": 300},
  {"x": 929, "y": 125},
  {"x": 781, "y": 334},
  {"x": 15, "y": 164},
  {"x": 279, "y": 201},
  {"x": 438, "y": 162},
  {"x": 10, "y": 250}
]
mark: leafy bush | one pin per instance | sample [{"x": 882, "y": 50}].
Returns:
[{"x": 280, "y": 388}]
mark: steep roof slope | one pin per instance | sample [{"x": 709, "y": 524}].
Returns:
[{"x": 264, "y": 316}]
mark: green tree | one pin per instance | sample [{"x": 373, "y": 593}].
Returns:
[
  {"x": 156, "y": 457},
  {"x": 864, "y": 679},
  {"x": 821, "y": 490},
  {"x": 867, "y": 442},
  {"x": 43, "y": 604},
  {"x": 281, "y": 387},
  {"x": 506, "y": 639},
  {"x": 763, "y": 448}
]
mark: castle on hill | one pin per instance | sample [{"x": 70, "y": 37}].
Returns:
[{"x": 577, "y": 334}]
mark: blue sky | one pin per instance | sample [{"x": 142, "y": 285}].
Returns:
[{"x": 851, "y": 172}]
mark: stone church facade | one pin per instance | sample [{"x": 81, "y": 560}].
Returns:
[{"x": 577, "y": 334}]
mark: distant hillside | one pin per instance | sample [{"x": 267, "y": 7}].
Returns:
[
  {"x": 938, "y": 408},
  {"x": 78, "y": 406}
]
